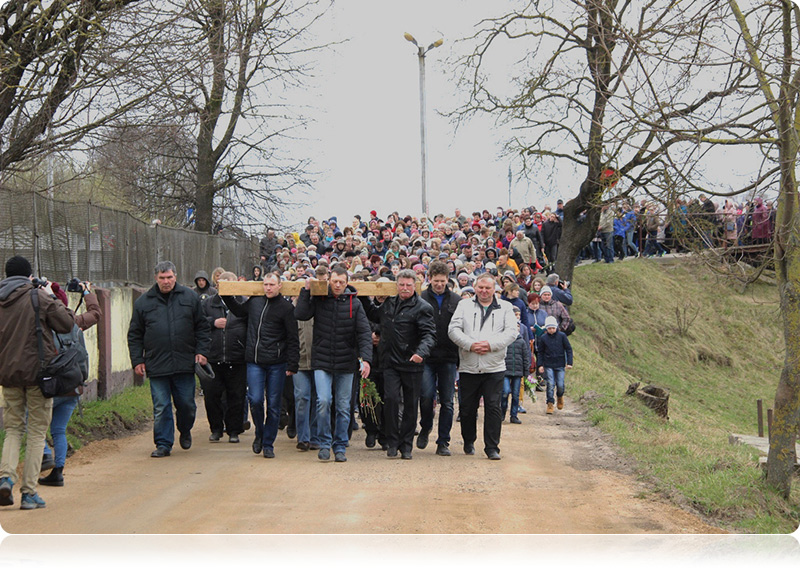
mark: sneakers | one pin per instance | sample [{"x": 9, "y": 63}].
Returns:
[
  {"x": 340, "y": 457},
  {"x": 522, "y": 410},
  {"x": 515, "y": 420},
  {"x": 493, "y": 455},
  {"x": 6, "y": 499},
  {"x": 215, "y": 436},
  {"x": 186, "y": 440},
  {"x": 442, "y": 450},
  {"x": 160, "y": 452},
  {"x": 233, "y": 438},
  {"x": 422, "y": 439},
  {"x": 31, "y": 502},
  {"x": 54, "y": 478},
  {"x": 560, "y": 402},
  {"x": 549, "y": 408},
  {"x": 324, "y": 454},
  {"x": 303, "y": 446}
]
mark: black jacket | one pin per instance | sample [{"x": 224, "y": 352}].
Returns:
[
  {"x": 228, "y": 344},
  {"x": 532, "y": 232},
  {"x": 445, "y": 351},
  {"x": 341, "y": 330},
  {"x": 166, "y": 334},
  {"x": 518, "y": 355},
  {"x": 407, "y": 328},
  {"x": 271, "y": 330}
]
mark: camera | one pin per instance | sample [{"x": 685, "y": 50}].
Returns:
[
  {"x": 74, "y": 285},
  {"x": 39, "y": 282}
]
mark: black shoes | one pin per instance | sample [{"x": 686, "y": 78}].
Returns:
[
  {"x": 340, "y": 457},
  {"x": 515, "y": 420},
  {"x": 186, "y": 440},
  {"x": 405, "y": 455},
  {"x": 391, "y": 452},
  {"x": 47, "y": 462},
  {"x": 246, "y": 426},
  {"x": 493, "y": 455},
  {"x": 422, "y": 439},
  {"x": 469, "y": 448},
  {"x": 257, "y": 446},
  {"x": 370, "y": 441},
  {"x": 303, "y": 446},
  {"x": 215, "y": 436},
  {"x": 54, "y": 478},
  {"x": 442, "y": 450},
  {"x": 291, "y": 431},
  {"x": 160, "y": 452},
  {"x": 233, "y": 438},
  {"x": 269, "y": 453},
  {"x": 324, "y": 454}
]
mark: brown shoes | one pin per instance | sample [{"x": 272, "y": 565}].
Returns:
[
  {"x": 560, "y": 403},
  {"x": 549, "y": 408}
]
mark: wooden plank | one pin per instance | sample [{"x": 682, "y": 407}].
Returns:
[{"x": 317, "y": 288}]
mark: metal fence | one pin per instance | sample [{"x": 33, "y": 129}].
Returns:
[{"x": 107, "y": 247}]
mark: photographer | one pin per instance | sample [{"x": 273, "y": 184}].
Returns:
[
  {"x": 19, "y": 369},
  {"x": 64, "y": 405},
  {"x": 559, "y": 289}
]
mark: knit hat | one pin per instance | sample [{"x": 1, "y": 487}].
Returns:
[
  {"x": 60, "y": 293},
  {"x": 18, "y": 266},
  {"x": 550, "y": 322},
  {"x": 544, "y": 290}
]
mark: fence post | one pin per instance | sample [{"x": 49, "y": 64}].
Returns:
[
  {"x": 760, "y": 408},
  {"x": 769, "y": 424}
]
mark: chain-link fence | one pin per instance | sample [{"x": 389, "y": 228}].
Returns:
[{"x": 109, "y": 247}]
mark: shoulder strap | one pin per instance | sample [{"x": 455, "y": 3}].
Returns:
[{"x": 35, "y": 302}]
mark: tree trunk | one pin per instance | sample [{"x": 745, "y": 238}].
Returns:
[{"x": 577, "y": 234}]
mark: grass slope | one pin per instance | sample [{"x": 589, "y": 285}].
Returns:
[{"x": 729, "y": 356}]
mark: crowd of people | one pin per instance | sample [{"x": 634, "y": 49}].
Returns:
[{"x": 478, "y": 310}]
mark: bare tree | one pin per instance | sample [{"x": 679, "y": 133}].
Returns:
[
  {"x": 610, "y": 88},
  {"x": 773, "y": 56},
  {"x": 48, "y": 84}
]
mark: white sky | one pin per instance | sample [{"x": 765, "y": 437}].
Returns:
[{"x": 368, "y": 148}]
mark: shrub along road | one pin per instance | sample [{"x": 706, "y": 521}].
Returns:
[{"x": 557, "y": 475}]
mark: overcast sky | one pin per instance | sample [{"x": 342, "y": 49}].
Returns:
[{"x": 366, "y": 139}]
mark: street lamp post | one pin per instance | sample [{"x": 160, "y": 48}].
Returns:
[{"x": 421, "y": 51}]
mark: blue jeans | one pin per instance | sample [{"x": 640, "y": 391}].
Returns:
[
  {"x": 305, "y": 407},
  {"x": 555, "y": 378},
  {"x": 629, "y": 242},
  {"x": 511, "y": 386},
  {"x": 441, "y": 378},
  {"x": 265, "y": 381},
  {"x": 165, "y": 391},
  {"x": 607, "y": 239},
  {"x": 328, "y": 385},
  {"x": 62, "y": 412}
]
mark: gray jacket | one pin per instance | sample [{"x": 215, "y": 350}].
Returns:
[{"x": 498, "y": 327}]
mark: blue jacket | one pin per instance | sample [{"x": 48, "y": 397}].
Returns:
[{"x": 553, "y": 351}]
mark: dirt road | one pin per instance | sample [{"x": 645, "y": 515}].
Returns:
[{"x": 557, "y": 475}]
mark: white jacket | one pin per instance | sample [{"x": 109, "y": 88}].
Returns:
[{"x": 499, "y": 329}]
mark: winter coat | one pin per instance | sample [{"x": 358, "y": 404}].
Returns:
[
  {"x": 537, "y": 317},
  {"x": 525, "y": 248},
  {"x": 523, "y": 314},
  {"x": 551, "y": 233},
  {"x": 207, "y": 291},
  {"x": 407, "y": 328},
  {"x": 562, "y": 295},
  {"x": 470, "y": 324},
  {"x": 341, "y": 330},
  {"x": 271, "y": 330},
  {"x": 553, "y": 351},
  {"x": 556, "y": 309},
  {"x": 606, "y": 224},
  {"x": 227, "y": 344},
  {"x": 445, "y": 351},
  {"x": 533, "y": 234},
  {"x": 19, "y": 348},
  {"x": 166, "y": 334},
  {"x": 518, "y": 354}
]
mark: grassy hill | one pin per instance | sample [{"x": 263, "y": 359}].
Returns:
[{"x": 716, "y": 368}]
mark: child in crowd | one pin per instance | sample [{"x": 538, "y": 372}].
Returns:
[{"x": 554, "y": 356}]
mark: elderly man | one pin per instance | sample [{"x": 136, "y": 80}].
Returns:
[
  {"x": 168, "y": 334},
  {"x": 523, "y": 245},
  {"x": 482, "y": 328},
  {"x": 408, "y": 334}
]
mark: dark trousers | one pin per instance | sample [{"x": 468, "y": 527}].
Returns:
[
  {"x": 400, "y": 386},
  {"x": 472, "y": 388},
  {"x": 224, "y": 397}
]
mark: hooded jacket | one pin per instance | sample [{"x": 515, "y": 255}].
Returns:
[
  {"x": 472, "y": 323},
  {"x": 342, "y": 333},
  {"x": 518, "y": 354},
  {"x": 19, "y": 353},
  {"x": 227, "y": 345},
  {"x": 207, "y": 291}
]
